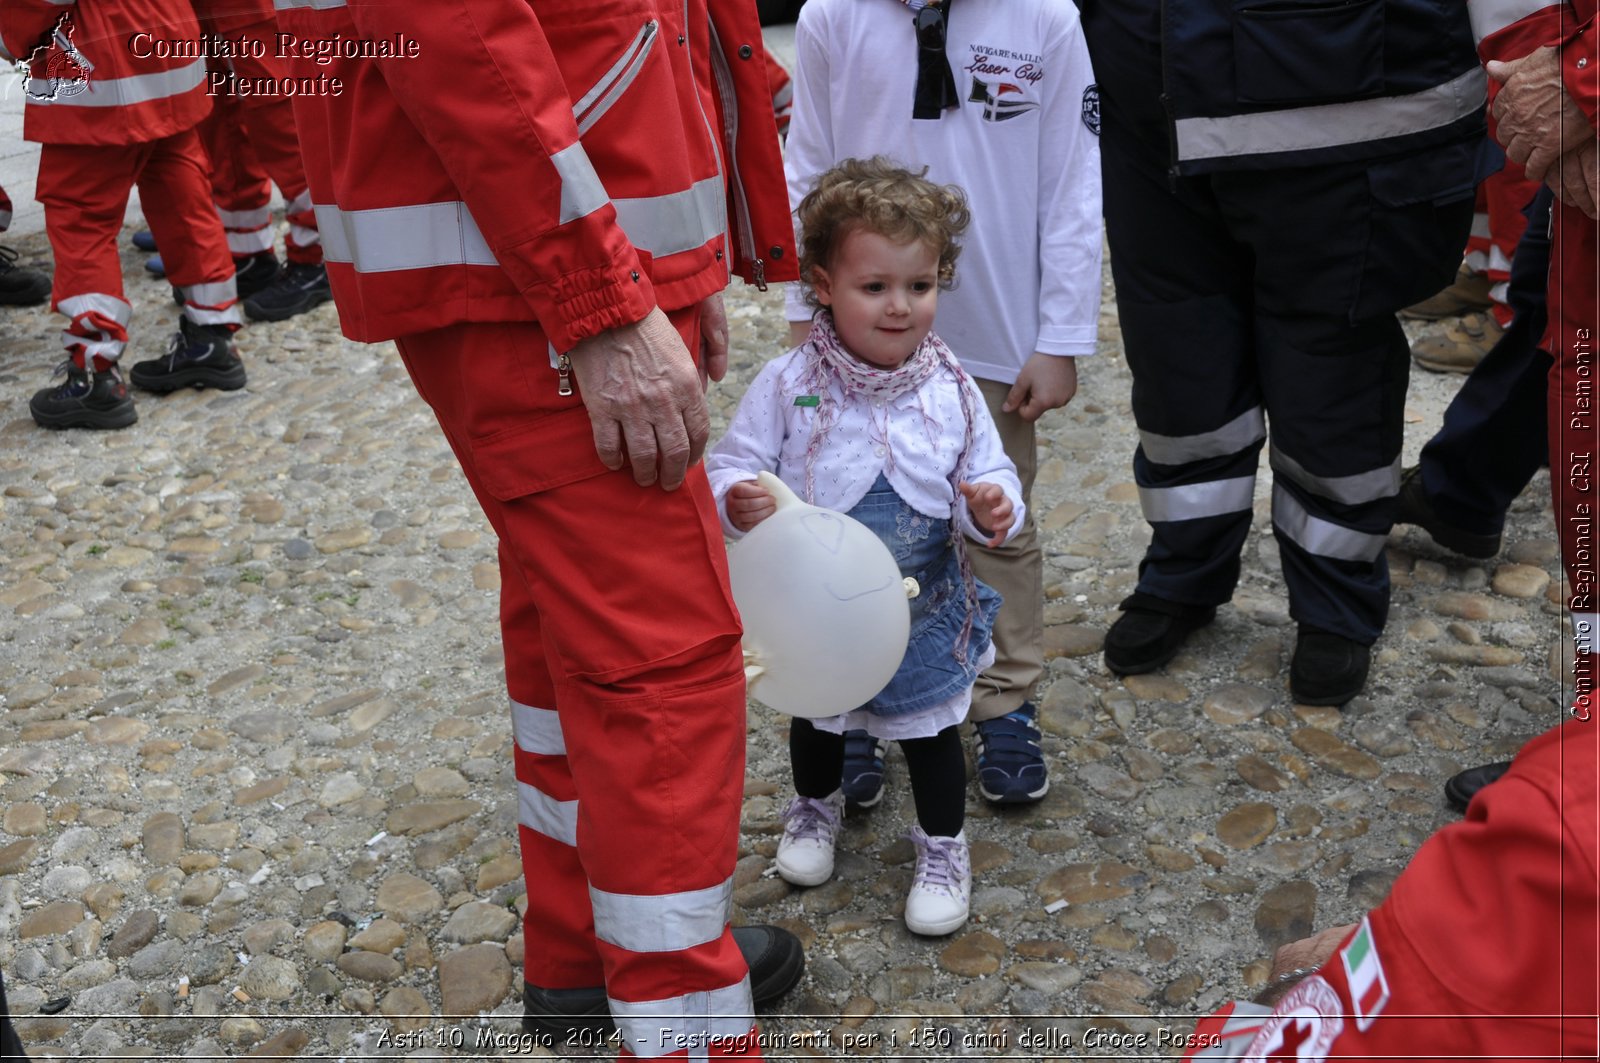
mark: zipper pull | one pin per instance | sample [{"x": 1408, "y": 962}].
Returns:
[
  {"x": 760, "y": 271},
  {"x": 563, "y": 375}
]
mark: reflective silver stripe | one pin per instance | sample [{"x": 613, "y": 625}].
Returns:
[
  {"x": 245, "y": 219},
  {"x": 538, "y": 811},
  {"x": 109, "y": 306},
  {"x": 299, "y": 203},
  {"x": 1354, "y": 490},
  {"x": 313, "y": 5},
  {"x": 386, "y": 239},
  {"x": 1480, "y": 226},
  {"x": 1321, "y": 537},
  {"x": 614, "y": 82},
  {"x": 537, "y": 730},
  {"x": 665, "y": 922},
  {"x": 581, "y": 191},
  {"x": 128, "y": 91},
  {"x": 202, "y": 315},
  {"x": 252, "y": 242},
  {"x": 678, "y": 221},
  {"x": 108, "y": 349},
  {"x": 304, "y": 237},
  {"x": 1330, "y": 125},
  {"x": 1193, "y": 501},
  {"x": 655, "y": 1028},
  {"x": 1247, "y": 428},
  {"x": 1491, "y": 16},
  {"x": 213, "y": 293}
]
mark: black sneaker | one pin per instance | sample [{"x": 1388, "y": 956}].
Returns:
[
  {"x": 1412, "y": 507},
  {"x": 251, "y": 274},
  {"x": 198, "y": 356},
  {"x": 87, "y": 400},
  {"x": 297, "y": 289},
  {"x": 1150, "y": 632},
  {"x": 20, "y": 286},
  {"x": 774, "y": 956},
  {"x": 1327, "y": 669}
]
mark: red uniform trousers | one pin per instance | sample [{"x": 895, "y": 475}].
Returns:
[
  {"x": 249, "y": 139},
  {"x": 1497, "y": 225},
  {"x": 84, "y": 189},
  {"x": 627, "y": 692},
  {"x": 1575, "y": 431},
  {"x": 5, "y": 211}
]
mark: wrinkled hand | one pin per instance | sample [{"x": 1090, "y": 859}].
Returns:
[
  {"x": 1575, "y": 178},
  {"x": 1303, "y": 955},
  {"x": 1047, "y": 382},
  {"x": 749, "y": 504},
  {"x": 713, "y": 340},
  {"x": 991, "y": 510},
  {"x": 1537, "y": 121},
  {"x": 644, "y": 400}
]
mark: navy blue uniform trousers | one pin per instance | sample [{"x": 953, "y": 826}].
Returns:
[
  {"x": 1256, "y": 297},
  {"x": 1491, "y": 442}
]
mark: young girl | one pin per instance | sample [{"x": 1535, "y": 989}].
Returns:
[{"x": 872, "y": 416}]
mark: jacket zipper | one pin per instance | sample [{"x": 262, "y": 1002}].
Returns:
[
  {"x": 744, "y": 227},
  {"x": 594, "y": 104}
]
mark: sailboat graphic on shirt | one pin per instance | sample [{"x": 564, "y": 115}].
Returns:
[{"x": 1001, "y": 102}]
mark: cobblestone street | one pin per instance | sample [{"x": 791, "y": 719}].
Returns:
[{"x": 255, "y": 773}]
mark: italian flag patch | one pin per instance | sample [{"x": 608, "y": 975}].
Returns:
[{"x": 1369, "y": 989}]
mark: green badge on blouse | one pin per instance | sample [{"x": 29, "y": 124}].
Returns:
[{"x": 807, "y": 400}]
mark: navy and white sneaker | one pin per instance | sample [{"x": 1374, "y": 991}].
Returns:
[
  {"x": 863, "y": 769},
  {"x": 1011, "y": 768}
]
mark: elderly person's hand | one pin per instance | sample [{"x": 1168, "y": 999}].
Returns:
[
  {"x": 1575, "y": 178},
  {"x": 1537, "y": 122},
  {"x": 1294, "y": 961}
]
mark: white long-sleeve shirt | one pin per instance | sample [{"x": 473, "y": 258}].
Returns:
[
  {"x": 770, "y": 431},
  {"x": 1020, "y": 145}
]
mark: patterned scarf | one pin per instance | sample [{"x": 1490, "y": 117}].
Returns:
[{"x": 828, "y": 362}]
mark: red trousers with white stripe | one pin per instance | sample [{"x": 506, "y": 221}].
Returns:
[
  {"x": 627, "y": 686},
  {"x": 1497, "y": 225},
  {"x": 249, "y": 139},
  {"x": 84, "y": 189}
]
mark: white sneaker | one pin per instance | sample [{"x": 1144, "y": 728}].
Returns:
[
  {"x": 805, "y": 853},
  {"x": 942, "y": 891}
]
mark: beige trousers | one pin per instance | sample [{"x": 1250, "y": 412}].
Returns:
[{"x": 1016, "y": 570}]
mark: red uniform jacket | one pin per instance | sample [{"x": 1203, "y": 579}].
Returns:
[
  {"x": 113, "y": 85},
  {"x": 1486, "y": 947},
  {"x": 573, "y": 162}
]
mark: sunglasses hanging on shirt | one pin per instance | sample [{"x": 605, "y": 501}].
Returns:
[{"x": 936, "y": 84}]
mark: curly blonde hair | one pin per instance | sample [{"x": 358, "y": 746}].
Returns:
[{"x": 875, "y": 195}]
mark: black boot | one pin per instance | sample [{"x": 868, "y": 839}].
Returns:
[
  {"x": 1150, "y": 632},
  {"x": 251, "y": 274},
  {"x": 1327, "y": 669},
  {"x": 87, "y": 400},
  {"x": 297, "y": 289},
  {"x": 198, "y": 356},
  {"x": 20, "y": 286}
]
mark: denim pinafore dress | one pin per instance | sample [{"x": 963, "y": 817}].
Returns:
[{"x": 924, "y": 548}]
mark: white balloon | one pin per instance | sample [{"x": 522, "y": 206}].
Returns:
[{"x": 826, "y": 621}]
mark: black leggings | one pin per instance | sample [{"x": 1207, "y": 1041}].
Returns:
[{"x": 938, "y": 772}]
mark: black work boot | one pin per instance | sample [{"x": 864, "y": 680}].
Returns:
[
  {"x": 198, "y": 356},
  {"x": 1412, "y": 507},
  {"x": 297, "y": 289},
  {"x": 1327, "y": 669},
  {"x": 20, "y": 286},
  {"x": 96, "y": 399},
  {"x": 1150, "y": 632}
]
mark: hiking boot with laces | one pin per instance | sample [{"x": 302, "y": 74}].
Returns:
[
  {"x": 942, "y": 889},
  {"x": 1468, "y": 292},
  {"x": 198, "y": 356},
  {"x": 20, "y": 286},
  {"x": 805, "y": 852},
  {"x": 1011, "y": 769},
  {"x": 1460, "y": 347},
  {"x": 87, "y": 400},
  {"x": 297, "y": 289},
  {"x": 863, "y": 769}
]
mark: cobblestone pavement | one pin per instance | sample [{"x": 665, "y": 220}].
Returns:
[{"x": 255, "y": 777}]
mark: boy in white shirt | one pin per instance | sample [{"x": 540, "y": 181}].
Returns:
[{"x": 998, "y": 97}]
